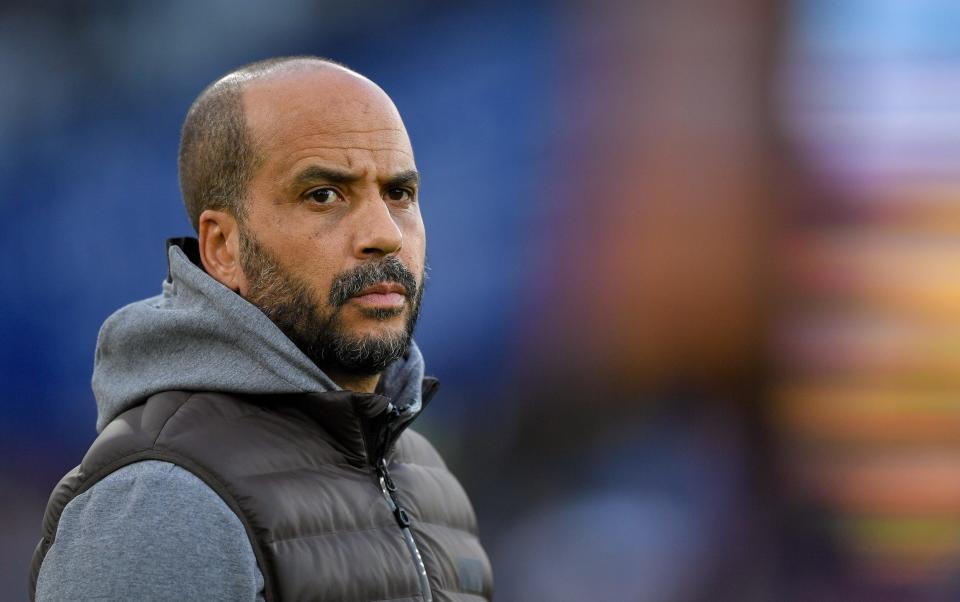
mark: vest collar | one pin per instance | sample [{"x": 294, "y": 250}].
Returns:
[{"x": 362, "y": 426}]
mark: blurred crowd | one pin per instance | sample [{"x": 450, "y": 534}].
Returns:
[{"x": 694, "y": 298}]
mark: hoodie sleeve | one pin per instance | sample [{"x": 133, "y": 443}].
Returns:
[{"x": 149, "y": 531}]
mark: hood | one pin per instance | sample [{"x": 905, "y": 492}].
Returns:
[{"x": 198, "y": 335}]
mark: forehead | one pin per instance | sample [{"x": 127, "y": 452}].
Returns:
[{"x": 325, "y": 113}]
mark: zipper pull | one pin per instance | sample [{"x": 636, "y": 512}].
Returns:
[
  {"x": 389, "y": 489},
  {"x": 385, "y": 475},
  {"x": 403, "y": 519}
]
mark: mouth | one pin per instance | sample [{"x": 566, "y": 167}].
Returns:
[{"x": 384, "y": 295}]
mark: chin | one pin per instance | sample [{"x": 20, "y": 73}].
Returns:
[
  {"x": 380, "y": 330},
  {"x": 375, "y": 320},
  {"x": 383, "y": 314}
]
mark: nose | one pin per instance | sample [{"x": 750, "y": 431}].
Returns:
[{"x": 376, "y": 233}]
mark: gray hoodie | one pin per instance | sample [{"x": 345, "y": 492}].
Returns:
[{"x": 152, "y": 530}]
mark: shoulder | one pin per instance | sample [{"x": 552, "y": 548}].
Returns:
[
  {"x": 167, "y": 426},
  {"x": 149, "y": 530}
]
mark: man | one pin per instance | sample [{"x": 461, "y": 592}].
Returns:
[{"x": 253, "y": 439}]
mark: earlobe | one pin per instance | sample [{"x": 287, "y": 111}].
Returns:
[{"x": 220, "y": 248}]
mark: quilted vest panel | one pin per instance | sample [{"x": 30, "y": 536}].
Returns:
[{"x": 301, "y": 473}]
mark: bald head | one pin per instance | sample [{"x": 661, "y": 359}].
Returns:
[{"x": 219, "y": 142}]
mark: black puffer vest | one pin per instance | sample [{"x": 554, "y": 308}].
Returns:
[{"x": 339, "y": 500}]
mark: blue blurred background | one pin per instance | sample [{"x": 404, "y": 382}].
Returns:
[{"x": 695, "y": 288}]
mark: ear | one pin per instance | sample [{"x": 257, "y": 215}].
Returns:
[{"x": 220, "y": 248}]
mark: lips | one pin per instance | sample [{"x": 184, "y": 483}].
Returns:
[
  {"x": 384, "y": 288},
  {"x": 384, "y": 296}
]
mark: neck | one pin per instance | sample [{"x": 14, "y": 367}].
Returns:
[{"x": 353, "y": 382}]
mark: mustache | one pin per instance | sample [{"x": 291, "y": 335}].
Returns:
[{"x": 389, "y": 269}]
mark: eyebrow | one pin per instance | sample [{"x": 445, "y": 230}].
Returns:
[
  {"x": 315, "y": 173},
  {"x": 409, "y": 177}
]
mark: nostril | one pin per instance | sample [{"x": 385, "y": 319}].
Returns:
[{"x": 380, "y": 246}]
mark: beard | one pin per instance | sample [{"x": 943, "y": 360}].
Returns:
[{"x": 317, "y": 329}]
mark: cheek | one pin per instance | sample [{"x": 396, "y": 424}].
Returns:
[
  {"x": 310, "y": 260},
  {"x": 319, "y": 273},
  {"x": 414, "y": 253},
  {"x": 414, "y": 235}
]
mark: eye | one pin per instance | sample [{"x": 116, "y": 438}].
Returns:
[
  {"x": 400, "y": 195},
  {"x": 323, "y": 196}
]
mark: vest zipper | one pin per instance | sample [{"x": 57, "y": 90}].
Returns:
[{"x": 389, "y": 490}]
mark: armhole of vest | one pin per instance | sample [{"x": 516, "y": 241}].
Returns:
[{"x": 208, "y": 479}]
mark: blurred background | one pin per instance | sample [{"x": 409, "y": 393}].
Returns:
[{"x": 695, "y": 294}]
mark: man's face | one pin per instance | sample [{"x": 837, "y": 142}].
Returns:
[{"x": 332, "y": 244}]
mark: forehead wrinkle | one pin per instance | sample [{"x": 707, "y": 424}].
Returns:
[
  {"x": 341, "y": 154},
  {"x": 349, "y": 134},
  {"x": 283, "y": 153},
  {"x": 348, "y": 147},
  {"x": 365, "y": 166}
]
